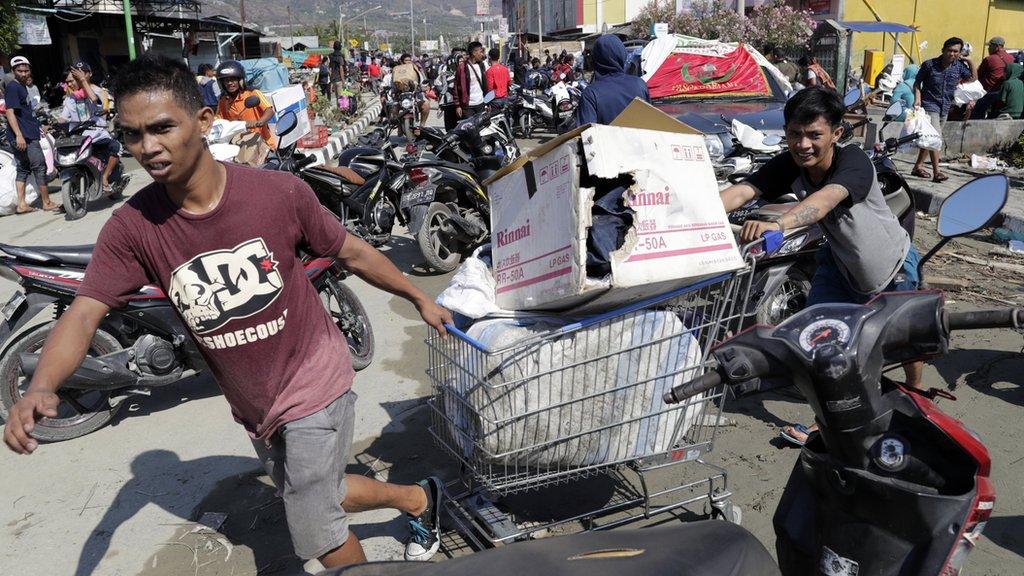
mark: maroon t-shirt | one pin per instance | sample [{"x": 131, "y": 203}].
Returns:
[{"x": 235, "y": 279}]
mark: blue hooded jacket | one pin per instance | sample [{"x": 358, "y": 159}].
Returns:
[{"x": 612, "y": 89}]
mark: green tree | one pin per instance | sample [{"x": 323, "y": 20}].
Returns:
[{"x": 8, "y": 26}]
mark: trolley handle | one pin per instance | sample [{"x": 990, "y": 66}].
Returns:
[{"x": 705, "y": 382}]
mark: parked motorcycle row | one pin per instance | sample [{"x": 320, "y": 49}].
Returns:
[{"x": 436, "y": 192}]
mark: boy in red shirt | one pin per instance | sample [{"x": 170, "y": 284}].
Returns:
[{"x": 498, "y": 77}]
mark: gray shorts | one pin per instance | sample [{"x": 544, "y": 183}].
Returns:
[
  {"x": 30, "y": 161},
  {"x": 306, "y": 459},
  {"x": 937, "y": 120}
]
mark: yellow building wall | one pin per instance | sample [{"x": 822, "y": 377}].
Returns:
[
  {"x": 973, "y": 20},
  {"x": 614, "y": 12}
]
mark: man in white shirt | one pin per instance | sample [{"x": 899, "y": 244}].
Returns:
[{"x": 470, "y": 82}]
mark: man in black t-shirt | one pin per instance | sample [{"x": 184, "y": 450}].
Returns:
[{"x": 868, "y": 251}]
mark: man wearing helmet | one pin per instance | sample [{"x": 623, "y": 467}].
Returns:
[{"x": 231, "y": 106}]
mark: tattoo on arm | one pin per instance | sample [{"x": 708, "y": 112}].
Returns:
[{"x": 804, "y": 215}]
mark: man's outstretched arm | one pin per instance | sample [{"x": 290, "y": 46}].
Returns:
[{"x": 369, "y": 264}]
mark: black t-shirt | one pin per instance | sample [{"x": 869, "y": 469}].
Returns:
[
  {"x": 851, "y": 168},
  {"x": 865, "y": 238}
]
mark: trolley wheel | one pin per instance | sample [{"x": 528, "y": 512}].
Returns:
[{"x": 726, "y": 510}]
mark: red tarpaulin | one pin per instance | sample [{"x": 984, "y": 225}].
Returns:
[
  {"x": 311, "y": 61},
  {"x": 686, "y": 74}
]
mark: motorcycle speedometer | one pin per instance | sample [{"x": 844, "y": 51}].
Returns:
[{"x": 824, "y": 331}]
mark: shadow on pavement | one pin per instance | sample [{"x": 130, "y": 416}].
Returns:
[
  {"x": 253, "y": 535},
  {"x": 167, "y": 397},
  {"x": 1007, "y": 532},
  {"x": 987, "y": 371}
]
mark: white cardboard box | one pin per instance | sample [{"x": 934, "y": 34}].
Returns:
[{"x": 540, "y": 216}]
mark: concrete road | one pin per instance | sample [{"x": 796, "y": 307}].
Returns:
[{"x": 125, "y": 499}]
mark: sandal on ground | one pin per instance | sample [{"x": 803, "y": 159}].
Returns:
[
  {"x": 52, "y": 207},
  {"x": 920, "y": 173},
  {"x": 787, "y": 434},
  {"x": 940, "y": 177},
  {"x": 28, "y": 210}
]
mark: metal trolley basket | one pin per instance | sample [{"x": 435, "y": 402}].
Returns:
[{"x": 584, "y": 399}]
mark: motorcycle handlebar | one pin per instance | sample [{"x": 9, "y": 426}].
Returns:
[
  {"x": 705, "y": 382},
  {"x": 305, "y": 161},
  {"x": 977, "y": 319}
]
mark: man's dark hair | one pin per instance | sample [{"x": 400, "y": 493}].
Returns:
[
  {"x": 535, "y": 62},
  {"x": 204, "y": 68},
  {"x": 813, "y": 102},
  {"x": 473, "y": 46},
  {"x": 337, "y": 45},
  {"x": 778, "y": 53},
  {"x": 951, "y": 42},
  {"x": 152, "y": 72},
  {"x": 494, "y": 54},
  {"x": 804, "y": 61},
  {"x": 404, "y": 56}
]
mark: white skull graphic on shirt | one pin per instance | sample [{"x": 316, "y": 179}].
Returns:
[{"x": 216, "y": 287}]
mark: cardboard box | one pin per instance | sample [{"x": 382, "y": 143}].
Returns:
[{"x": 540, "y": 216}]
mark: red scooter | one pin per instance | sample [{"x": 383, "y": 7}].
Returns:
[{"x": 890, "y": 485}]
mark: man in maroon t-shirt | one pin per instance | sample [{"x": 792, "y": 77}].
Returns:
[
  {"x": 222, "y": 240},
  {"x": 991, "y": 73}
]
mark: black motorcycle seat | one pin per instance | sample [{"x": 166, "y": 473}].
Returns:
[
  {"x": 706, "y": 548},
  {"x": 68, "y": 255}
]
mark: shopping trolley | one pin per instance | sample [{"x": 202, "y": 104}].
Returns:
[{"x": 571, "y": 401}]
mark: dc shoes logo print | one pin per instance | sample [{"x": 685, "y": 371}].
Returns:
[{"x": 216, "y": 287}]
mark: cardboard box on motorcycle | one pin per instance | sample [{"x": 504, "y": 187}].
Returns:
[{"x": 540, "y": 216}]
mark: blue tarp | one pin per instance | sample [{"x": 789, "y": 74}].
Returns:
[
  {"x": 265, "y": 74},
  {"x": 887, "y": 27}
]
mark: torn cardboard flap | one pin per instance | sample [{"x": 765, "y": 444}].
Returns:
[{"x": 680, "y": 231}]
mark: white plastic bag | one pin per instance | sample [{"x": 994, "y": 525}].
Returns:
[
  {"x": 918, "y": 121},
  {"x": 968, "y": 92},
  {"x": 8, "y": 193}
]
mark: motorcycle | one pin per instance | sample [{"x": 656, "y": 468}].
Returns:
[
  {"x": 448, "y": 206},
  {"x": 888, "y": 485},
  {"x": 81, "y": 171},
  {"x": 403, "y": 112},
  {"x": 142, "y": 346}
]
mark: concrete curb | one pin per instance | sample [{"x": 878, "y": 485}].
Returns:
[{"x": 349, "y": 134}]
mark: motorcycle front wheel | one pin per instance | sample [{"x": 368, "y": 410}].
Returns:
[
  {"x": 788, "y": 298},
  {"x": 438, "y": 247},
  {"x": 80, "y": 412},
  {"x": 350, "y": 317},
  {"x": 75, "y": 195}
]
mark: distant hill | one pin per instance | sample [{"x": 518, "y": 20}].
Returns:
[{"x": 453, "y": 18}]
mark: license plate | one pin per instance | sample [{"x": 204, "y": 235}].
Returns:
[
  {"x": 422, "y": 195},
  {"x": 12, "y": 305}
]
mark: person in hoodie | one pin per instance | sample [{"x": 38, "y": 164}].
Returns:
[
  {"x": 1011, "y": 94},
  {"x": 611, "y": 89},
  {"x": 904, "y": 91}
]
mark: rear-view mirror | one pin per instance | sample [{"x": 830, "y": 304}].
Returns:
[
  {"x": 489, "y": 97},
  {"x": 286, "y": 123},
  {"x": 973, "y": 205},
  {"x": 252, "y": 101},
  {"x": 772, "y": 140},
  {"x": 895, "y": 109},
  {"x": 851, "y": 97}
]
